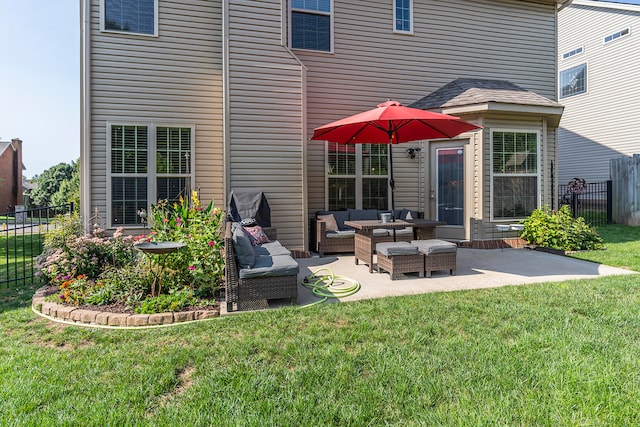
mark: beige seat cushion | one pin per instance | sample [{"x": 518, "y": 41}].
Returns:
[{"x": 332, "y": 225}]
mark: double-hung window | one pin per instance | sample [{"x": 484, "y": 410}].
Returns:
[
  {"x": 147, "y": 163},
  {"x": 357, "y": 176},
  {"x": 514, "y": 174},
  {"x": 130, "y": 16},
  {"x": 311, "y": 24},
  {"x": 573, "y": 81},
  {"x": 403, "y": 16}
]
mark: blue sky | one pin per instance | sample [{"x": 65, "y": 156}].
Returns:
[{"x": 39, "y": 80}]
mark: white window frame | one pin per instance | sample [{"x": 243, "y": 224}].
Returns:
[
  {"x": 395, "y": 29},
  {"x": 315, "y": 12},
  {"x": 103, "y": 22},
  {"x": 538, "y": 173},
  {"x": 586, "y": 81},
  {"x": 151, "y": 174},
  {"x": 358, "y": 177},
  {"x": 617, "y": 35}
]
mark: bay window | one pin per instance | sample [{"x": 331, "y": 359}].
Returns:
[{"x": 515, "y": 174}]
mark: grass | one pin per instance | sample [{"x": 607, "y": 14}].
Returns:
[
  {"x": 623, "y": 247},
  {"x": 546, "y": 354},
  {"x": 17, "y": 252}
]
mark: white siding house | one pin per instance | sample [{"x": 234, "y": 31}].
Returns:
[
  {"x": 599, "y": 71},
  {"x": 240, "y": 85}
]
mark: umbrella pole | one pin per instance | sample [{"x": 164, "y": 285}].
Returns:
[{"x": 392, "y": 184}]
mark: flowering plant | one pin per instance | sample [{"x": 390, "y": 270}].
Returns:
[{"x": 200, "y": 263}]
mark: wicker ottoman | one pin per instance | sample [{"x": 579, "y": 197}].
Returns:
[
  {"x": 438, "y": 255},
  {"x": 399, "y": 257}
]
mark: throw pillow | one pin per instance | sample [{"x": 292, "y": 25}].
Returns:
[
  {"x": 257, "y": 235},
  {"x": 242, "y": 246},
  {"x": 332, "y": 225}
]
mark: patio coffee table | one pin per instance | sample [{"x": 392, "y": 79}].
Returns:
[{"x": 364, "y": 240}]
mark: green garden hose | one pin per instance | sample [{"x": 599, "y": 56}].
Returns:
[{"x": 324, "y": 284}]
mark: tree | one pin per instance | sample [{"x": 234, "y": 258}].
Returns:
[
  {"x": 69, "y": 191},
  {"x": 50, "y": 181}
]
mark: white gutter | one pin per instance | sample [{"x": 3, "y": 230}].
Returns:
[
  {"x": 607, "y": 5},
  {"x": 284, "y": 37},
  {"x": 563, "y": 3},
  {"x": 85, "y": 112}
]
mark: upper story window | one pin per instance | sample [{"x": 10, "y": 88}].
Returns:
[
  {"x": 573, "y": 52},
  {"x": 403, "y": 16},
  {"x": 617, "y": 35},
  {"x": 130, "y": 16},
  {"x": 311, "y": 22},
  {"x": 573, "y": 81}
]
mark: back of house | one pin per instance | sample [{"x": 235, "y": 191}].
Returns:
[{"x": 214, "y": 95}]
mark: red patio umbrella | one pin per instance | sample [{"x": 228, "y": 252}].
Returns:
[{"x": 392, "y": 123}]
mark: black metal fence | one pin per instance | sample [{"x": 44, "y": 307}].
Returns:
[
  {"x": 594, "y": 204},
  {"x": 21, "y": 239}
]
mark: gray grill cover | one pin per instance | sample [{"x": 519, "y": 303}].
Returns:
[{"x": 249, "y": 203}]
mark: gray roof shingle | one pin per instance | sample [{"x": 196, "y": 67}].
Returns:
[{"x": 463, "y": 91}]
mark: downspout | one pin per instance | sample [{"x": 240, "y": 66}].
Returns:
[
  {"x": 284, "y": 37},
  {"x": 226, "y": 156},
  {"x": 85, "y": 108}
]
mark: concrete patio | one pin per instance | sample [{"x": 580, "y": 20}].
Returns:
[{"x": 476, "y": 269}]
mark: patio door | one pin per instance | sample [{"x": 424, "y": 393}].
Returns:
[{"x": 448, "y": 189}]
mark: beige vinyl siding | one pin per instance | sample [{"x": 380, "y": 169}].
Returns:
[
  {"x": 457, "y": 38},
  {"x": 173, "y": 78},
  {"x": 599, "y": 125},
  {"x": 266, "y": 114}
]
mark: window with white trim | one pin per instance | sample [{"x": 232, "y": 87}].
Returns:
[
  {"x": 573, "y": 81},
  {"x": 617, "y": 35},
  {"x": 357, "y": 176},
  {"x": 573, "y": 52},
  {"x": 403, "y": 16},
  {"x": 130, "y": 16},
  {"x": 515, "y": 174},
  {"x": 311, "y": 24},
  {"x": 147, "y": 163}
]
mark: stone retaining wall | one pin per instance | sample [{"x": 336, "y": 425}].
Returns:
[{"x": 104, "y": 318}]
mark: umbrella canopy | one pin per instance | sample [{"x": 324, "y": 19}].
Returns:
[{"x": 392, "y": 123}]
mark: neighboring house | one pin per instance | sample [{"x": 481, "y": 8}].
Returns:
[
  {"x": 27, "y": 187},
  {"x": 599, "y": 71},
  {"x": 10, "y": 175},
  {"x": 215, "y": 95}
]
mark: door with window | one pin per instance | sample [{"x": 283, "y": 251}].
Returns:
[{"x": 447, "y": 195}]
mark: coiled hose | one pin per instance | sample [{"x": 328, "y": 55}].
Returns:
[{"x": 324, "y": 284}]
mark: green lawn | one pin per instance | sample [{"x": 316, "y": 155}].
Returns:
[
  {"x": 17, "y": 251},
  {"x": 547, "y": 354}
]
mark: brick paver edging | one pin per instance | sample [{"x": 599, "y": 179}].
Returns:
[{"x": 84, "y": 317}]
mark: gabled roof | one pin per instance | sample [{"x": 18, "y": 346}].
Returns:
[
  {"x": 466, "y": 95},
  {"x": 4, "y": 146}
]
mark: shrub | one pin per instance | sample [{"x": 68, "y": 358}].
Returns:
[
  {"x": 559, "y": 230},
  {"x": 100, "y": 270},
  {"x": 173, "y": 301},
  {"x": 200, "y": 264},
  {"x": 68, "y": 253}
]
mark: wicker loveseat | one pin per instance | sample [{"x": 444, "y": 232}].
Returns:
[
  {"x": 332, "y": 235},
  {"x": 257, "y": 273}
]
